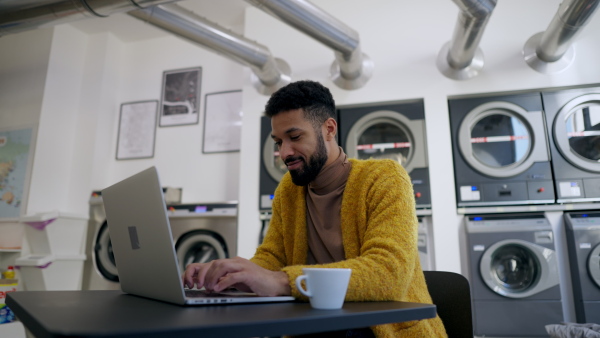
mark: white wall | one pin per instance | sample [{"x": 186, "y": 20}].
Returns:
[
  {"x": 23, "y": 68},
  {"x": 178, "y": 150},
  {"x": 54, "y": 165},
  {"x": 72, "y": 84},
  {"x": 403, "y": 39}
]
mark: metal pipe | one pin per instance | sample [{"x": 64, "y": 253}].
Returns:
[
  {"x": 461, "y": 58},
  {"x": 571, "y": 17},
  {"x": 271, "y": 74},
  {"x": 552, "y": 51},
  {"x": 16, "y": 17},
  {"x": 351, "y": 68}
]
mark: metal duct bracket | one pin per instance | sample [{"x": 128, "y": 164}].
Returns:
[
  {"x": 461, "y": 58},
  {"x": 268, "y": 73},
  {"x": 351, "y": 69},
  {"x": 552, "y": 51}
]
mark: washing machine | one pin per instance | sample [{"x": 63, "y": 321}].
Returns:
[
  {"x": 272, "y": 167},
  {"x": 392, "y": 130},
  {"x": 425, "y": 243},
  {"x": 203, "y": 232},
  {"x": 583, "y": 244},
  {"x": 500, "y": 151},
  {"x": 99, "y": 269},
  {"x": 514, "y": 276},
  {"x": 573, "y": 119}
]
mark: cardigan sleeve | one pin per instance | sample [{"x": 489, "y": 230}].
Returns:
[
  {"x": 271, "y": 253},
  {"x": 379, "y": 230}
]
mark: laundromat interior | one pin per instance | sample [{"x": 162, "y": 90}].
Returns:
[{"x": 492, "y": 106}]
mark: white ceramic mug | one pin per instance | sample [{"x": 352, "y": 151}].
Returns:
[{"x": 325, "y": 288}]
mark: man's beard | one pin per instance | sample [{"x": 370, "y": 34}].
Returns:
[{"x": 311, "y": 169}]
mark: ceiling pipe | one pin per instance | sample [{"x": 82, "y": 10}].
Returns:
[
  {"x": 20, "y": 16},
  {"x": 552, "y": 51},
  {"x": 461, "y": 58},
  {"x": 351, "y": 68},
  {"x": 268, "y": 73}
]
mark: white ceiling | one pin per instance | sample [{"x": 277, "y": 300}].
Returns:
[{"x": 226, "y": 13}]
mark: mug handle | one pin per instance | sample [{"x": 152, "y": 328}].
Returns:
[{"x": 299, "y": 285}]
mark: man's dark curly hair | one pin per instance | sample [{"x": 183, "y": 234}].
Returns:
[{"x": 314, "y": 98}]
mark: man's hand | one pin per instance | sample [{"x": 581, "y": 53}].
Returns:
[{"x": 220, "y": 274}]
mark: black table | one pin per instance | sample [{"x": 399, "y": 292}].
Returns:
[{"x": 115, "y": 314}]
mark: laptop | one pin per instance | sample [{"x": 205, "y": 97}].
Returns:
[{"x": 144, "y": 250}]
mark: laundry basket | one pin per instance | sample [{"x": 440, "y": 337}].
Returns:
[{"x": 573, "y": 330}]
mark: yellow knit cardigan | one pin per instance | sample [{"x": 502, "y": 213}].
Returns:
[{"x": 379, "y": 234}]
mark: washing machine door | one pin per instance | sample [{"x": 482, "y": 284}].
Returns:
[
  {"x": 576, "y": 131},
  {"x": 501, "y": 139},
  {"x": 388, "y": 134},
  {"x": 104, "y": 258},
  {"x": 517, "y": 269},
  {"x": 272, "y": 161},
  {"x": 199, "y": 247},
  {"x": 594, "y": 265}
]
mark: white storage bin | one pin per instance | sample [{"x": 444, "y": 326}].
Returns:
[
  {"x": 55, "y": 233},
  {"x": 48, "y": 272}
]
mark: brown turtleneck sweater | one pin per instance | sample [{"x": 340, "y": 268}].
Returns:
[{"x": 324, "y": 202}]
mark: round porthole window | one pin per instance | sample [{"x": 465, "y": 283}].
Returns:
[
  {"x": 387, "y": 134},
  {"x": 272, "y": 161},
  {"x": 499, "y": 139},
  {"x": 577, "y": 132}
]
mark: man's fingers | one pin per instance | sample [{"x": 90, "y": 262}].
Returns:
[
  {"x": 229, "y": 280},
  {"x": 194, "y": 274},
  {"x": 188, "y": 274},
  {"x": 219, "y": 269}
]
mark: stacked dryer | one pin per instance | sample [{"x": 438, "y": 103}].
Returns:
[
  {"x": 394, "y": 130},
  {"x": 573, "y": 121},
  {"x": 501, "y": 161},
  {"x": 573, "y": 118},
  {"x": 500, "y": 151},
  {"x": 391, "y": 130}
]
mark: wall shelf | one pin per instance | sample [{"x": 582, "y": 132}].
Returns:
[{"x": 10, "y": 250}]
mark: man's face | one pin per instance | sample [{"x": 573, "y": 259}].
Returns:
[{"x": 301, "y": 147}]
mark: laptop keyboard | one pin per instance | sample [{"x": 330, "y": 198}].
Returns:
[{"x": 229, "y": 293}]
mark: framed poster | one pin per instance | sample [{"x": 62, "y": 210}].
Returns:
[
  {"x": 222, "y": 122},
  {"x": 137, "y": 130},
  {"x": 16, "y": 161},
  {"x": 180, "y": 98}
]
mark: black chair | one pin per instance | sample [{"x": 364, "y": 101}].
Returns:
[{"x": 451, "y": 294}]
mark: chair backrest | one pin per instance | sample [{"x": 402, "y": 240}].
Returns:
[{"x": 451, "y": 294}]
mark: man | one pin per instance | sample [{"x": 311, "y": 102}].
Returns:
[{"x": 333, "y": 212}]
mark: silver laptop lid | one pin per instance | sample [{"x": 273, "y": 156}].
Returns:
[{"x": 141, "y": 238}]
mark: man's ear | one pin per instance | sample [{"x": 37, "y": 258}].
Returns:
[{"x": 330, "y": 129}]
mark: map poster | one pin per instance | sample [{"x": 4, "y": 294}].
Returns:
[
  {"x": 15, "y": 149},
  {"x": 180, "y": 99},
  {"x": 222, "y": 122},
  {"x": 137, "y": 130}
]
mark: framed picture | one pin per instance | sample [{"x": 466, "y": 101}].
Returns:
[
  {"x": 222, "y": 122},
  {"x": 137, "y": 130},
  {"x": 180, "y": 98}
]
